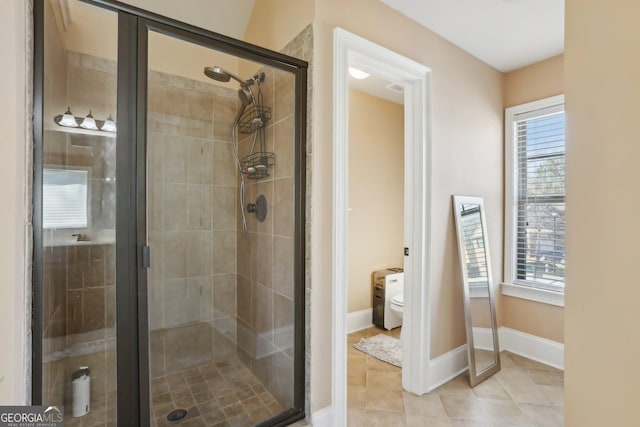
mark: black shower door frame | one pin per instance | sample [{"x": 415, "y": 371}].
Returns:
[{"x": 132, "y": 256}]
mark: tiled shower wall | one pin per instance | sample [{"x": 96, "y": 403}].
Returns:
[
  {"x": 266, "y": 253},
  {"x": 192, "y": 223}
]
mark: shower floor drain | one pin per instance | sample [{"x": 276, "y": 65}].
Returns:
[{"x": 177, "y": 414}]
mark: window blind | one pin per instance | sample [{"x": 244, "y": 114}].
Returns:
[
  {"x": 540, "y": 217},
  {"x": 64, "y": 197}
]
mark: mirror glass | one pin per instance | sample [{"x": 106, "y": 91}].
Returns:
[{"x": 475, "y": 266}]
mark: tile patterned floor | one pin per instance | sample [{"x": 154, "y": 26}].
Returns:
[
  {"x": 523, "y": 393},
  {"x": 222, "y": 394}
]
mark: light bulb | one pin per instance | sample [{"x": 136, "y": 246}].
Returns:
[
  {"x": 109, "y": 125},
  {"x": 89, "y": 122},
  {"x": 358, "y": 74},
  {"x": 68, "y": 120}
]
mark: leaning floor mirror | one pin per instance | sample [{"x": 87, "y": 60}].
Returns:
[{"x": 479, "y": 301}]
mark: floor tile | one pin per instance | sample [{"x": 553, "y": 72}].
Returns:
[
  {"x": 356, "y": 397},
  {"x": 544, "y": 415},
  {"x": 384, "y": 419},
  {"x": 490, "y": 389},
  {"x": 389, "y": 380},
  {"x": 525, "y": 393},
  {"x": 385, "y": 400},
  {"x": 414, "y": 420},
  {"x": 356, "y": 417},
  {"x": 425, "y": 405},
  {"x": 502, "y": 411},
  {"x": 467, "y": 408}
]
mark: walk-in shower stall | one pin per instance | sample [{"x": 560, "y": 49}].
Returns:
[{"x": 168, "y": 222}]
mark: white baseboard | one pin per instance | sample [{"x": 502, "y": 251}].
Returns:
[
  {"x": 359, "y": 320},
  {"x": 532, "y": 347},
  {"x": 447, "y": 366},
  {"x": 322, "y": 417}
]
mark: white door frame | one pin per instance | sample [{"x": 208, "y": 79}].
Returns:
[{"x": 352, "y": 50}]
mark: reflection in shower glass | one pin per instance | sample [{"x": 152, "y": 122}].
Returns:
[
  {"x": 79, "y": 202},
  {"x": 220, "y": 287}
]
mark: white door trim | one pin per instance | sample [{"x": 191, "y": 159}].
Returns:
[{"x": 352, "y": 50}]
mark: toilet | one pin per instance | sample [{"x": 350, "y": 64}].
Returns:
[{"x": 397, "y": 304}]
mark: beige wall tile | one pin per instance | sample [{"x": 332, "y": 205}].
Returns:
[
  {"x": 283, "y": 323},
  {"x": 263, "y": 306},
  {"x": 175, "y": 201},
  {"x": 223, "y": 115},
  {"x": 284, "y": 148},
  {"x": 224, "y": 252},
  {"x": 224, "y": 165},
  {"x": 176, "y": 152},
  {"x": 199, "y": 206},
  {"x": 224, "y": 295},
  {"x": 176, "y": 244},
  {"x": 263, "y": 255},
  {"x": 284, "y": 90},
  {"x": 224, "y": 208},
  {"x": 245, "y": 300},
  {"x": 283, "y": 207},
  {"x": 244, "y": 254}
]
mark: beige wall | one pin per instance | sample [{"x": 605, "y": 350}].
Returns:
[
  {"x": 166, "y": 54},
  {"x": 602, "y": 95},
  {"x": 466, "y": 105},
  {"x": 274, "y": 23},
  {"x": 537, "y": 81},
  {"x": 14, "y": 75},
  {"x": 376, "y": 198}
]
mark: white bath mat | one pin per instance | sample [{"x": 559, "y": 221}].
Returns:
[{"x": 383, "y": 347}]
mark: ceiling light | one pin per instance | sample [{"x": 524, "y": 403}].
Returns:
[
  {"x": 89, "y": 122},
  {"x": 358, "y": 74}
]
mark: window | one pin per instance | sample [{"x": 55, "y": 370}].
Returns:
[
  {"x": 64, "y": 198},
  {"x": 535, "y": 202}
]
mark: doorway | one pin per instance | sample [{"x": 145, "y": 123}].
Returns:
[
  {"x": 353, "y": 51},
  {"x": 168, "y": 221}
]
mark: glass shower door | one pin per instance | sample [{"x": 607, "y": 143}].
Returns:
[
  {"x": 75, "y": 220},
  {"x": 220, "y": 219}
]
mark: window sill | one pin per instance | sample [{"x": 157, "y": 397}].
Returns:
[{"x": 533, "y": 294}]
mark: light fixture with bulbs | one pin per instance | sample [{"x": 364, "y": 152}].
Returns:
[
  {"x": 89, "y": 122},
  {"x": 358, "y": 74}
]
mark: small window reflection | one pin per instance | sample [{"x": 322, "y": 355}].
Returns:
[{"x": 65, "y": 198}]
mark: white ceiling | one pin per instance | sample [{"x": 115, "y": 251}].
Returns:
[
  {"x": 506, "y": 34},
  {"x": 376, "y": 86}
]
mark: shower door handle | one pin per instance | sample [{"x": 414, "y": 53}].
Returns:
[{"x": 146, "y": 256}]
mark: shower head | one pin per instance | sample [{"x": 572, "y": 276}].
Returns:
[
  {"x": 222, "y": 75},
  {"x": 217, "y": 73}
]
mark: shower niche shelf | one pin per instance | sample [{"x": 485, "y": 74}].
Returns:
[{"x": 256, "y": 165}]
